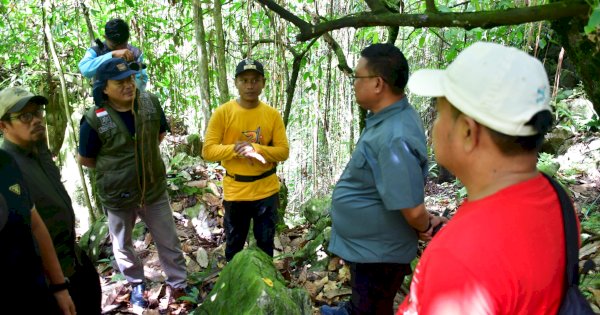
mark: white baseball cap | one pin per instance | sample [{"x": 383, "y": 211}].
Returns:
[{"x": 500, "y": 87}]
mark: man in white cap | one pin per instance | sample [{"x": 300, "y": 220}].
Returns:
[{"x": 504, "y": 250}]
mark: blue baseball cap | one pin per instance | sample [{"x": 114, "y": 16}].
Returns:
[
  {"x": 114, "y": 69},
  {"x": 111, "y": 69}
]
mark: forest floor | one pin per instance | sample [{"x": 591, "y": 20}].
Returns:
[{"x": 327, "y": 283}]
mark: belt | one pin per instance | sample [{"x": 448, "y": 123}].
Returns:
[{"x": 249, "y": 179}]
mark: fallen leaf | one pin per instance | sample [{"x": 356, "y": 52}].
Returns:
[
  {"x": 202, "y": 257},
  {"x": 268, "y": 281}
]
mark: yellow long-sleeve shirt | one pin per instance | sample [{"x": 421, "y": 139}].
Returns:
[{"x": 263, "y": 127}]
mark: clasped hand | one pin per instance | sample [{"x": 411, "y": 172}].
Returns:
[{"x": 245, "y": 149}]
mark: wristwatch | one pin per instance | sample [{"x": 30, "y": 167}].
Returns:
[{"x": 59, "y": 286}]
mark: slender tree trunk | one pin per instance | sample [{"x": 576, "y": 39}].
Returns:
[
  {"x": 220, "y": 52},
  {"x": 63, "y": 87},
  {"x": 88, "y": 22},
  {"x": 201, "y": 53}
]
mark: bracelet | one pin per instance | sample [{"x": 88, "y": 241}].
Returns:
[
  {"x": 60, "y": 286},
  {"x": 427, "y": 229}
]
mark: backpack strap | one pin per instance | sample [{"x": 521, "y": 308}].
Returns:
[{"x": 571, "y": 233}]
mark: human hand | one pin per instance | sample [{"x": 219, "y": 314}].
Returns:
[
  {"x": 64, "y": 301},
  {"x": 437, "y": 222},
  {"x": 245, "y": 149},
  {"x": 123, "y": 53}
]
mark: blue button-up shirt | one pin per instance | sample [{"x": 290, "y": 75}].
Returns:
[{"x": 386, "y": 173}]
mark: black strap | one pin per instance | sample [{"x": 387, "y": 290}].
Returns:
[
  {"x": 248, "y": 179},
  {"x": 571, "y": 233}
]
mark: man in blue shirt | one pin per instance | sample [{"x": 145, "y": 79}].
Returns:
[
  {"x": 116, "y": 35},
  {"x": 382, "y": 188}
]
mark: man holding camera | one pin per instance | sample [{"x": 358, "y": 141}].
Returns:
[
  {"x": 116, "y": 35},
  {"x": 120, "y": 138}
]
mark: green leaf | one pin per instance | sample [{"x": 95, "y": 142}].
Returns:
[
  {"x": 129, "y": 3},
  {"x": 443, "y": 8},
  {"x": 594, "y": 21}
]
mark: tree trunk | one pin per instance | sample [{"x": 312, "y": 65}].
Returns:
[
  {"x": 220, "y": 52},
  {"x": 63, "y": 87},
  {"x": 583, "y": 53},
  {"x": 90, "y": 27},
  {"x": 200, "y": 36}
]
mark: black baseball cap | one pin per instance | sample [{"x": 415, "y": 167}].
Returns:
[
  {"x": 117, "y": 31},
  {"x": 249, "y": 64}
]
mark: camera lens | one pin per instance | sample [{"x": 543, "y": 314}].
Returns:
[{"x": 134, "y": 66}]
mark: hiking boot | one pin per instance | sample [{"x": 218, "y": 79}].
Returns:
[
  {"x": 334, "y": 310},
  {"x": 138, "y": 295}
]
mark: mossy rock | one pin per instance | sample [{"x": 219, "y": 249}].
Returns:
[
  {"x": 316, "y": 208},
  {"x": 250, "y": 284}
]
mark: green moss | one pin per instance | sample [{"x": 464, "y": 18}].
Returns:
[{"x": 250, "y": 284}]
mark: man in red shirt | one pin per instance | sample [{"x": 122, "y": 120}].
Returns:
[{"x": 504, "y": 250}]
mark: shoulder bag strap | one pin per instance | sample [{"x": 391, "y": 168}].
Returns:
[{"x": 571, "y": 233}]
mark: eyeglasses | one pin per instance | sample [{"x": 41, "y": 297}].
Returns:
[
  {"x": 355, "y": 77},
  {"x": 28, "y": 116}
]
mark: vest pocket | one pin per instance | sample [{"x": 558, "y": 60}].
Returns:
[{"x": 119, "y": 189}]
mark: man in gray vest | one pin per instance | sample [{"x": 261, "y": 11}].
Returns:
[
  {"x": 22, "y": 123},
  {"x": 120, "y": 137},
  {"x": 116, "y": 45}
]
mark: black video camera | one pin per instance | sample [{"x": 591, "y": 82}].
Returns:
[{"x": 136, "y": 66}]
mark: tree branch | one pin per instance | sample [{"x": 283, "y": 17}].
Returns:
[
  {"x": 334, "y": 46},
  {"x": 466, "y": 20},
  {"x": 287, "y": 15}
]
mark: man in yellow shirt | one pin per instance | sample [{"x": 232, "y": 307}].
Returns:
[{"x": 248, "y": 137}]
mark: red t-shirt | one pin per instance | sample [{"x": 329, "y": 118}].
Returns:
[{"x": 504, "y": 254}]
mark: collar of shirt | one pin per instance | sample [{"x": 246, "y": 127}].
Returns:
[
  {"x": 374, "y": 119},
  {"x": 11, "y": 147}
]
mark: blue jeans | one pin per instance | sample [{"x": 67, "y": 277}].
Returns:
[{"x": 238, "y": 214}]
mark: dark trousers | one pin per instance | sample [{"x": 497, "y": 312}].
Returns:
[
  {"x": 84, "y": 289},
  {"x": 238, "y": 214},
  {"x": 374, "y": 287}
]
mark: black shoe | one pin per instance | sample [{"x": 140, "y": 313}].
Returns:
[{"x": 138, "y": 297}]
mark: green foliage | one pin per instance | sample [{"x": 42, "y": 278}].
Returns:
[
  {"x": 575, "y": 121},
  {"x": 594, "y": 20},
  {"x": 547, "y": 164},
  {"x": 92, "y": 240},
  {"x": 461, "y": 193},
  {"x": 592, "y": 219}
]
